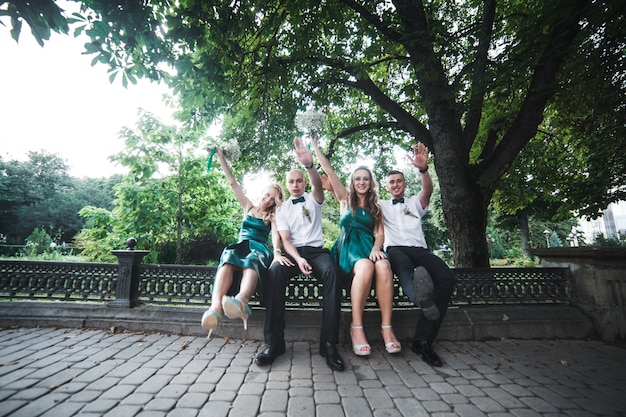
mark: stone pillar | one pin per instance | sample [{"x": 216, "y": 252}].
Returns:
[
  {"x": 127, "y": 286},
  {"x": 599, "y": 275}
]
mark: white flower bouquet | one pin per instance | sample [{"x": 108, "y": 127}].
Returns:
[
  {"x": 310, "y": 121},
  {"x": 231, "y": 149}
]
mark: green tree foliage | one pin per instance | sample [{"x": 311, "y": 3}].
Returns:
[
  {"x": 38, "y": 242},
  {"x": 576, "y": 164},
  {"x": 167, "y": 196},
  {"x": 39, "y": 193},
  {"x": 59, "y": 214},
  {"x": 96, "y": 238},
  {"x": 26, "y": 184},
  {"x": 42, "y": 16},
  {"x": 470, "y": 79}
]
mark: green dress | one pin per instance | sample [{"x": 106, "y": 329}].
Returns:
[
  {"x": 355, "y": 241},
  {"x": 250, "y": 251}
]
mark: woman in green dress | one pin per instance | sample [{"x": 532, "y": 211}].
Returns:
[
  {"x": 249, "y": 255},
  {"x": 358, "y": 251}
]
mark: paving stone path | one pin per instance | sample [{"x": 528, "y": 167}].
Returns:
[{"x": 73, "y": 372}]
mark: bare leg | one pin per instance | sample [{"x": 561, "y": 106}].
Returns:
[
  {"x": 223, "y": 280},
  {"x": 221, "y": 285},
  {"x": 384, "y": 295},
  {"x": 249, "y": 281},
  {"x": 360, "y": 289},
  {"x": 237, "y": 307}
]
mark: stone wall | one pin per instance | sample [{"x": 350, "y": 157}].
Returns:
[{"x": 599, "y": 276}]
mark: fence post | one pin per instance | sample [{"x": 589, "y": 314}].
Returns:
[{"x": 127, "y": 286}]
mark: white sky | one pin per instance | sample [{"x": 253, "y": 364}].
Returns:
[{"x": 52, "y": 99}]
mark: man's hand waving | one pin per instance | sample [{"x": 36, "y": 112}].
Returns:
[
  {"x": 419, "y": 159},
  {"x": 304, "y": 155}
]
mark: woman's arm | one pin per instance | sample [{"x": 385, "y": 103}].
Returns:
[
  {"x": 377, "y": 253},
  {"x": 241, "y": 197},
  {"x": 278, "y": 254},
  {"x": 339, "y": 190}
]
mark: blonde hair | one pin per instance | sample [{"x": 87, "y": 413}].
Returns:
[
  {"x": 371, "y": 198},
  {"x": 269, "y": 215}
]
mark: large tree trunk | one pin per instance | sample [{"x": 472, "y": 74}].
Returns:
[
  {"x": 464, "y": 205},
  {"x": 466, "y": 219},
  {"x": 467, "y": 187}
]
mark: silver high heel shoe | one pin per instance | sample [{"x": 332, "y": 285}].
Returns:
[
  {"x": 360, "y": 350},
  {"x": 391, "y": 347},
  {"x": 235, "y": 309},
  {"x": 210, "y": 320}
]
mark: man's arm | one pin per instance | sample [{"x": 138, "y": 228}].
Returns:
[
  {"x": 427, "y": 189},
  {"x": 288, "y": 247},
  {"x": 305, "y": 157},
  {"x": 420, "y": 161}
]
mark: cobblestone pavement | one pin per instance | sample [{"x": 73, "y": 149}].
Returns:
[{"x": 72, "y": 372}]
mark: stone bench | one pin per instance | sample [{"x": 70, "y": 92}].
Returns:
[{"x": 487, "y": 302}]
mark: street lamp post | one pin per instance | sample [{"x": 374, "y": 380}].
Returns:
[{"x": 546, "y": 233}]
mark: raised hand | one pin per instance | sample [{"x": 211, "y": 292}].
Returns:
[
  {"x": 303, "y": 153},
  {"x": 419, "y": 159},
  {"x": 220, "y": 156}
]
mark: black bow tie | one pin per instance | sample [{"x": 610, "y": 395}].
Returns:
[
  {"x": 298, "y": 200},
  {"x": 396, "y": 201}
]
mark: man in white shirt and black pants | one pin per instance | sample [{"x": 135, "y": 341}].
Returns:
[
  {"x": 426, "y": 279},
  {"x": 299, "y": 223}
]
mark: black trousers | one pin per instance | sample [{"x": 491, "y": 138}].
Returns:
[
  {"x": 325, "y": 270},
  {"x": 404, "y": 259}
]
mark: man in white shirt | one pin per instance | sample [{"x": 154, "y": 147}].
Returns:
[
  {"x": 299, "y": 223},
  {"x": 426, "y": 280}
]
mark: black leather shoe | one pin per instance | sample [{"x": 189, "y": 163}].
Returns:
[
  {"x": 333, "y": 360},
  {"x": 425, "y": 348},
  {"x": 267, "y": 356},
  {"x": 423, "y": 288}
]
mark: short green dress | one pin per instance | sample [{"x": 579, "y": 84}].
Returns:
[
  {"x": 355, "y": 241},
  {"x": 251, "y": 250}
]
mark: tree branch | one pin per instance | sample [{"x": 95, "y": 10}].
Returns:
[
  {"x": 478, "y": 80},
  {"x": 367, "y": 127},
  {"x": 373, "y": 20},
  {"x": 405, "y": 120},
  {"x": 437, "y": 95},
  {"x": 542, "y": 88}
]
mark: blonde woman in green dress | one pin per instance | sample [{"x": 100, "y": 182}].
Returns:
[
  {"x": 249, "y": 256},
  {"x": 359, "y": 253}
]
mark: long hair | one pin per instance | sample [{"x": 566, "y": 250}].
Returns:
[
  {"x": 269, "y": 214},
  {"x": 371, "y": 198}
]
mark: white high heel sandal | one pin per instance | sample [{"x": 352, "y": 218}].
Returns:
[
  {"x": 391, "y": 347},
  {"x": 360, "y": 350}
]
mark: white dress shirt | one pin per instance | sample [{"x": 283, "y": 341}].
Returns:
[
  {"x": 403, "y": 222},
  {"x": 304, "y": 230}
]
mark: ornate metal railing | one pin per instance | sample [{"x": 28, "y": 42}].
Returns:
[
  {"x": 67, "y": 281},
  {"x": 192, "y": 285},
  {"x": 176, "y": 284},
  {"x": 512, "y": 285}
]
